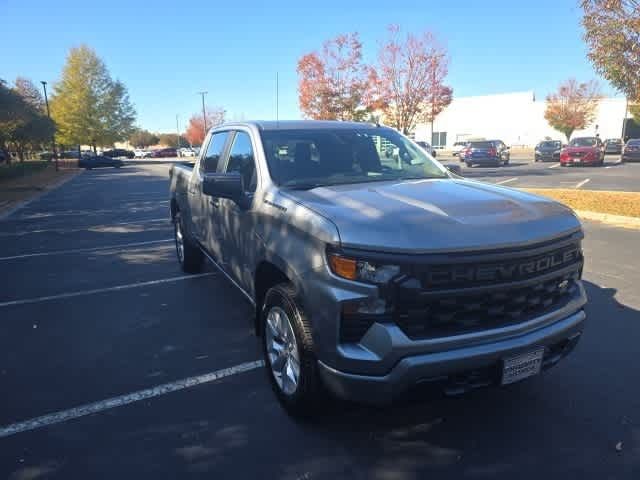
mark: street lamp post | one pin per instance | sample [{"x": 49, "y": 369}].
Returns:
[
  {"x": 204, "y": 114},
  {"x": 53, "y": 139}
]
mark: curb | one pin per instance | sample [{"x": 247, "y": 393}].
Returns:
[
  {"x": 47, "y": 189},
  {"x": 610, "y": 219}
]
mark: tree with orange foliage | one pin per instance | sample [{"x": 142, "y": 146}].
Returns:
[
  {"x": 573, "y": 106},
  {"x": 195, "y": 130},
  {"x": 408, "y": 82},
  {"x": 332, "y": 83}
]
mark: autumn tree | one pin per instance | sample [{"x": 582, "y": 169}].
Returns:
[
  {"x": 143, "y": 138},
  {"x": 612, "y": 33},
  {"x": 195, "y": 132},
  {"x": 408, "y": 80},
  {"x": 88, "y": 106},
  {"x": 332, "y": 83},
  {"x": 573, "y": 106}
]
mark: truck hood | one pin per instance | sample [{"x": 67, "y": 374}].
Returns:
[{"x": 436, "y": 215}]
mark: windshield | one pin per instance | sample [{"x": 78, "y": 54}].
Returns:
[
  {"x": 584, "y": 142},
  {"x": 555, "y": 144},
  {"x": 308, "y": 158}
]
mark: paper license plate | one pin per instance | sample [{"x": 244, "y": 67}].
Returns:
[{"x": 522, "y": 366}]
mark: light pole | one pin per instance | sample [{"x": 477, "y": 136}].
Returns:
[
  {"x": 53, "y": 138},
  {"x": 178, "y": 132},
  {"x": 204, "y": 114}
]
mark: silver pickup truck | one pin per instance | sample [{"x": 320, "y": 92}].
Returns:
[{"x": 372, "y": 268}]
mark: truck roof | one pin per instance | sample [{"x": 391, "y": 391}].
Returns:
[{"x": 301, "y": 124}]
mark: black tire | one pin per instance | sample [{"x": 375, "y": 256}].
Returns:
[
  {"x": 469, "y": 164},
  {"x": 306, "y": 400},
  {"x": 190, "y": 257}
]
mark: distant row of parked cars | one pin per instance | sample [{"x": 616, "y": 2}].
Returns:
[
  {"x": 586, "y": 151},
  {"x": 579, "y": 151}
]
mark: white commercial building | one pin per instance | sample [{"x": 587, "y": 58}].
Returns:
[{"x": 515, "y": 118}]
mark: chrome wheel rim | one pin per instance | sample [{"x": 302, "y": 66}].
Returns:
[
  {"x": 179, "y": 241},
  {"x": 282, "y": 350}
]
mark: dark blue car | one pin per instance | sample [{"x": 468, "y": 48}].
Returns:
[
  {"x": 98, "y": 161},
  {"x": 486, "y": 152}
]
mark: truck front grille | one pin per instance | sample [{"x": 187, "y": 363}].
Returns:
[{"x": 433, "y": 316}]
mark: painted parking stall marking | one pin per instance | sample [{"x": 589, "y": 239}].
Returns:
[
  {"x": 94, "y": 291},
  {"x": 87, "y": 249},
  {"x": 114, "y": 402},
  {"x": 508, "y": 180},
  {"x": 583, "y": 183}
]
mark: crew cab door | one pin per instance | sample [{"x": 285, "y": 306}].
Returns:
[
  {"x": 238, "y": 246},
  {"x": 204, "y": 209}
]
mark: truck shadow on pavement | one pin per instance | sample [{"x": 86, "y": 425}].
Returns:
[{"x": 547, "y": 425}]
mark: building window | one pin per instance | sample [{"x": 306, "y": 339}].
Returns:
[{"x": 439, "y": 139}]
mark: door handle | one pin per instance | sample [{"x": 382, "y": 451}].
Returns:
[{"x": 214, "y": 202}]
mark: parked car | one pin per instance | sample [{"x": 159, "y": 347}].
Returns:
[
  {"x": 164, "y": 153},
  {"x": 140, "y": 153},
  {"x": 367, "y": 282},
  {"x": 548, "y": 150},
  {"x": 583, "y": 151},
  {"x": 612, "y": 146},
  {"x": 486, "y": 152},
  {"x": 458, "y": 147},
  {"x": 98, "y": 161},
  {"x": 631, "y": 151},
  {"x": 46, "y": 155},
  {"x": 118, "y": 152},
  {"x": 428, "y": 148}
]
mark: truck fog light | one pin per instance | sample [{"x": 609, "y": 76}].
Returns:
[{"x": 365, "y": 306}]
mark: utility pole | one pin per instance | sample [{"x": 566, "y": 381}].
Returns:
[
  {"x": 53, "y": 138},
  {"x": 178, "y": 132},
  {"x": 204, "y": 113}
]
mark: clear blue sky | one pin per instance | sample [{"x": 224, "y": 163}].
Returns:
[{"x": 166, "y": 51}]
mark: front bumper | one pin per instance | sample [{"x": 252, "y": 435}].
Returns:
[{"x": 475, "y": 362}]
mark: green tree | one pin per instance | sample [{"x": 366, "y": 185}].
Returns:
[
  {"x": 23, "y": 126},
  {"x": 30, "y": 93},
  {"x": 89, "y": 107},
  {"x": 172, "y": 140},
  {"x": 634, "y": 109},
  {"x": 143, "y": 138}
]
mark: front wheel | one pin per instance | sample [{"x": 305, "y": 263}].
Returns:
[
  {"x": 288, "y": 350},
  {"x": 189, "y": 255}
]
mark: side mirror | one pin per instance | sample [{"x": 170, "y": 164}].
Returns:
[
  {"x": 455, "y": 169},
  {"x": 224, "y": 185}
]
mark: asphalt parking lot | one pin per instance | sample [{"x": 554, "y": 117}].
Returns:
[
  {"x": 522, "y": 172},
  {"x": 99, "y": 330}
]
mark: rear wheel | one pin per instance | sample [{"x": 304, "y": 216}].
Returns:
[
  {"x": 288, "y": 350},
  {"x": 469, "y": 164},
  {"x": 189, "y": 255}
]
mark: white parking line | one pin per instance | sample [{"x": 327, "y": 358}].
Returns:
[
  {"x": 80, "y": 229},
  {"x": 508, "y": 180},
  {"x": 88, "y": 249},
  {"x": 582, "y": 183},
  {"x": 83, "y": 293},
  {"x": 90, "y": 408},
  {"x": 555, "y": 165}
]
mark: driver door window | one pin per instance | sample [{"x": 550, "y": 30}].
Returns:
[{"x": 242, "y": 160}]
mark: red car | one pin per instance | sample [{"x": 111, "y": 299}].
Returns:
[
  {"x": 165, "y": 153},
  {"x": 583, "y": 151}
]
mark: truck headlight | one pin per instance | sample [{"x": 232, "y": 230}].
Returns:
[{"x": 361, "y": 270}]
